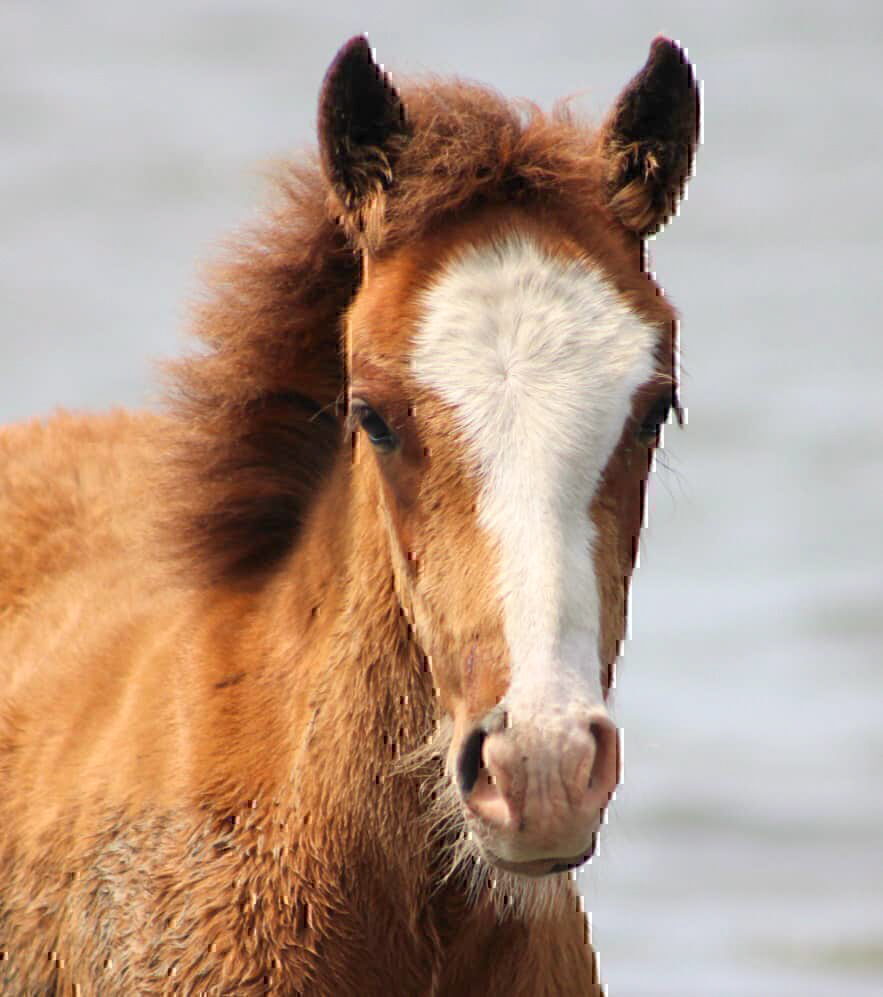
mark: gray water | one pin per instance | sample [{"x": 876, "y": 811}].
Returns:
[{"x": 743, "y": 853}]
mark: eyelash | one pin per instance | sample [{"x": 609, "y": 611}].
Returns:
[{"x": 656, "y": 418}]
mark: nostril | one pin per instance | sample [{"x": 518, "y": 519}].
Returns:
[
  {"x": 469, "y": 762},
  {"x": 604, "y": 774}
]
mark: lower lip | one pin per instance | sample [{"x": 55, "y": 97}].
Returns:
[{"x": 540, "y": 867}]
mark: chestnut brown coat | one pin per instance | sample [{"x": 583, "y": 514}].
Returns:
[{"x": 211, "y": 681}]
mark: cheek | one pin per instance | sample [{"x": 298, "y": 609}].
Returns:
[
  {"x": 446, "y": 568},
  {"x": 617, "y": 513},
  {"x": 462, "y": 622},
  {"x": 400, "y": 487},
  {"x": 403, "y": 534},
  {"x": 622, "y": 499},
  {"x": 633, "y": 495},
  {"x": 612, "y": 578},
  {"x": 486, "y": 677},
  {"x": 470, "y": 680}
]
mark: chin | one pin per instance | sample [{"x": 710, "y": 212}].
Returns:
[{"x": 538, "y": 867}]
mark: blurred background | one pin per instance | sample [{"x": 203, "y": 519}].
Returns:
[{"x": 744, "y": 852}]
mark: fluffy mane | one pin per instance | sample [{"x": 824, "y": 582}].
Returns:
[{"x": 257, "y": 413}]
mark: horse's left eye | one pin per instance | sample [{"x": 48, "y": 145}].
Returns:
[
  {"x": 655, "y": 419},
  {"x": 377, "y": 431}
]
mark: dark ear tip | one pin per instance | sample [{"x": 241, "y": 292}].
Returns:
[
  {"x": 351, "y": 56},
  {"x": 666, "y": 57},
  {"x": 356, "y": 48},
  {"x": 359, "y": 42},
  {"x": 662, "y": 46},
  {"x": 669, "y": 70}
]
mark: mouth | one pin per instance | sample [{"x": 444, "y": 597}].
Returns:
[{"x": 536, "y": 868}]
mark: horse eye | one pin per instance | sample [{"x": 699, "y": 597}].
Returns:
[
  {"x": 655, "y": 419},
  {"x": 377, "y": 431}
]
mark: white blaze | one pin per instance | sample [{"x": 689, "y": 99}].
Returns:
[{"x": 538, "y": 356}]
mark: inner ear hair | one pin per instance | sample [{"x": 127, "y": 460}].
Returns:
[
  {"x": 362, "y": 127},
  {"x": 650, "y": 139}
]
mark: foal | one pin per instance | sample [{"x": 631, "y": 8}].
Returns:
[{"x": 304, "y": 685}]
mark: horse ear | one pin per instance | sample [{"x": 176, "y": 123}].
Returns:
[
  {"x": 362, "y": 126},
  {"x": 650, "y": 139}
]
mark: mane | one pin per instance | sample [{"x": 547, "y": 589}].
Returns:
[
  {"x": 470, "y": 147},
  {"x": 256, "y": 413}
]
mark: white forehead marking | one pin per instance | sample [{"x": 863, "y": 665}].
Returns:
[{"x": 538, "y": 356}]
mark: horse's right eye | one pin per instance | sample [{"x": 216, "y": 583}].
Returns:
[
  {"x": 378, "y": 432},
  {"x": 649, "y": 430}
]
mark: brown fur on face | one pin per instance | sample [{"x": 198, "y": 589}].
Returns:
[
  {"x": 258, "y": 413},
  {"x": 617, "y": 512},
  {"x": 210, "y": 670},
  {"x": 429, "y": 482},
  {"x": 427, "y": 489}
]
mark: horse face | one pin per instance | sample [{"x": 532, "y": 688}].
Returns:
[
  {"x": 508, "y": 398},
  {"x": 509, "y": 374}
]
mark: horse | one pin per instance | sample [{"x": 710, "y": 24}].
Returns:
[{"x": 306, "y": 678}]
